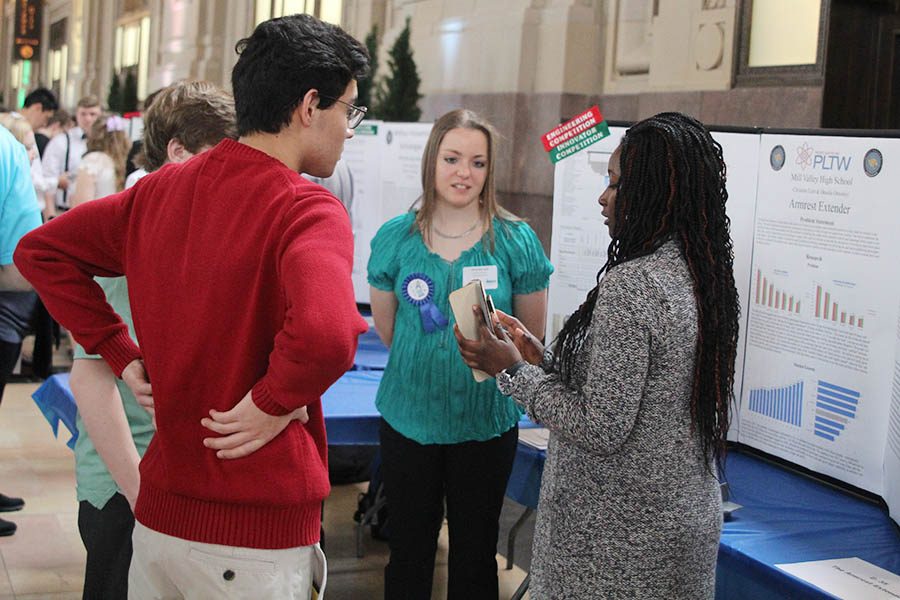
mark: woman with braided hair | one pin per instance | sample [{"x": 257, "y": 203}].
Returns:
[{"x": 637, "y": 388}]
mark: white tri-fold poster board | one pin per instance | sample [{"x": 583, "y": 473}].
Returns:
[
  {"x": 401, "y": 166},
  {"x": 364, "y": 205}
]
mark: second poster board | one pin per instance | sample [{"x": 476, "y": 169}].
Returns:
[{"x": 385, "y": 160}]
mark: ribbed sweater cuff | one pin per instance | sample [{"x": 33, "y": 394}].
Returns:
[
  {"x": 118, "y": 351},
  {"x": 264, "y": 400}
]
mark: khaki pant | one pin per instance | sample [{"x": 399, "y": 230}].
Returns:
[{"x": 165, "y": 567}]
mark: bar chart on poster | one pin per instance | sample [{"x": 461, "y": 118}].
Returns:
[
  {"x": 784, "y": 404},
  {"x": 767, "y": 295},
  {"x": 835, "y": 407}
]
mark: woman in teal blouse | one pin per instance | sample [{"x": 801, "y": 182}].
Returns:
[{"x": 444, "y": 437}]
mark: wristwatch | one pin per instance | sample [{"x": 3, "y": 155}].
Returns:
[
  {"x": 504, "y": 377},
  {"x": 512, "y": 369}
]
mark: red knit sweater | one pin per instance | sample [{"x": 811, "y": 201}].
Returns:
[{"x": 239, "y": 278}]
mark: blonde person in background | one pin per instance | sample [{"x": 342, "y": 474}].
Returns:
[
  {"x": 101, "y": 171},
  {"x": 21, "y": 129},
  {"x": 444, "y": 437},
  {"x": 190, "y": 118}
]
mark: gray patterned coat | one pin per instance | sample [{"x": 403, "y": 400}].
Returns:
[{"x": 628, "y": 508}]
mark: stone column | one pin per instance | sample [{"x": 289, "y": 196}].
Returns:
[{"x": 99, "y": 38}]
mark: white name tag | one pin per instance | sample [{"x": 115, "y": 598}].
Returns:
[{"x": 487, "y": 274}]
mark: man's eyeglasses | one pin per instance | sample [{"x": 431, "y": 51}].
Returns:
[{"x": 355, "y": 114}]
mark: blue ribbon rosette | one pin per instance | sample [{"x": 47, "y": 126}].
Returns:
[{"x": 418, "y": 290}]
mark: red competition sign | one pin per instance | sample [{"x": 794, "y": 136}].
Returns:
[{"x": 568, "y": 130}]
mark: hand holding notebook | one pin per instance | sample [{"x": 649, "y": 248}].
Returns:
[{"x": 462, "y": 301}]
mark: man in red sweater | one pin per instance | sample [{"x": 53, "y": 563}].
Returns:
[{"x": 239, "y": 278}]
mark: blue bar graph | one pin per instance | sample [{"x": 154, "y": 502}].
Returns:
[
  {"x": 835, "y": 407},
  {"x": 784, "y": 404}
]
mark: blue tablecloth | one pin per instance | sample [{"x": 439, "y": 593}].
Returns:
[
  {"x": 790, "y": 518},
  {"x": 350, "y": 415},
  {"x": 785, "y": 518},
  {"x": 525, "y": 479},
  {"x": 58, "y": 405},
  {"x": 349, "y": 407},
  {"x": 371, "y": 353}
]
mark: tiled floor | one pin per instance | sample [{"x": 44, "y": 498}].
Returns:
[{"x": 45, "y": 558}]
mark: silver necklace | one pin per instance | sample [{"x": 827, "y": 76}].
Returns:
[{"x": 457, "y": 236}]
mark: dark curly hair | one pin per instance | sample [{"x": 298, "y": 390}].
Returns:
[{"x": 672, "y": 187}]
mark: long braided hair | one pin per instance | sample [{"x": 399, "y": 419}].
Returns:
[{"x": 672, "y": 187}]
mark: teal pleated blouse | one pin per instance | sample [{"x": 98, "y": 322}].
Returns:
[{"x": 428, "y": 393}]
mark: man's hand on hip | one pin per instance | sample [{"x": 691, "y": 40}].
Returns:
[
  {"x": 245, "y": 428},
  {"x": 135, "y": 377}
]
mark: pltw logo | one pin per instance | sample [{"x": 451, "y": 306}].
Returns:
[{"x": 807, "y": 157}]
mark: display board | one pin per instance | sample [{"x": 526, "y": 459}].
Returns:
[
  {"x": 579, "y": 238},
  {"x": 385, "y": 162},
  {"x": 822, "y": 341},
  {"x": 401, "y": 166},
  {"x": 891, "y": 472}
]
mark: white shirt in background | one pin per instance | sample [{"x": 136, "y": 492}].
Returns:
[
  {"x": 55, "y": 161},
  {"x": 134, "y": 176}
]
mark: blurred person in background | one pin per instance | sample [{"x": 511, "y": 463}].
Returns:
[
  {"x": 60, "y": 122},
  {"x": 38, "y": 106},
  {"x": 46, "y": 330},
  {"x": 133, "y": 166},
  {"x": 63, "y": 155},
  {"x": 101, "y": 171},
  {"x": 23, "y": 131},
  {"x": 19, "y": 214}
]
